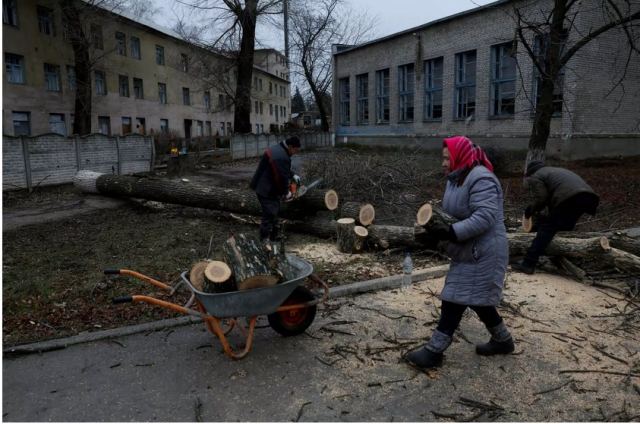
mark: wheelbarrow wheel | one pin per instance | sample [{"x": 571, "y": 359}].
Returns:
[{"x": 294, "y": 321}]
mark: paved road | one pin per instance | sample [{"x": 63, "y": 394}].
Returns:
[{"x": 345, "y": 369}]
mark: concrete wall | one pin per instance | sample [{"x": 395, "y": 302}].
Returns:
[
  {"x": 592, "y": 107},
  {"x": 249, "y": 146},
  {"x": 51, "y": 159},
  {"x": 37, "y": 49}
]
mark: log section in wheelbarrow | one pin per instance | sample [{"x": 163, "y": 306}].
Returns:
[{"x": 289, "y": 306}]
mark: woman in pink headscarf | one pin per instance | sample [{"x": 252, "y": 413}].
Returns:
[{"x": 478, "y": 249}]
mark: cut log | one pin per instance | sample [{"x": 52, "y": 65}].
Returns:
[
  {"x": 217, "y": 278},
  {"x": 527, "y": 224},
  {"x": 571, "y": 268},
  {"x": 386, "y": 236},
  {"x": 623, "y": 260},
  {"x": 560, "y": 246},
  {"x": 617, "y": 239},
  {"x": 429, "y": 214},
  {"x": 424, "y": 214},
  {"x": 196, "y": 195},
  {"x": 196, "y": 275},
  {"x": 363, "y": 213},
  {"x": 361, "y": 234},
  {"x": 345, "y": 235},
  {"x": 249, "y": 261}
]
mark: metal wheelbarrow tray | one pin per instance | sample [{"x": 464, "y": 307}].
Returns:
[{"x": 289, "y": 306}]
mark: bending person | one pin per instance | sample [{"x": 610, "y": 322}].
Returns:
[{"x": 478, "y": 249}]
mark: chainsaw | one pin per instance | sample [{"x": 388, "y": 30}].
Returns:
[{"x": 299, "y": 191}]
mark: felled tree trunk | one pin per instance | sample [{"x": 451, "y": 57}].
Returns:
[
  {"x": 386, "y": 236},
  {"x": 560, "y": 246},
  {"x": 249, "y": 261},
  {"x": 363, "y": 213},
  {"x": 429, "y": 214},
  {"x": 617, "y": 239},
  {"x": 196, "y": 195},
  {"x": 345, "y": 236},
  {"x": 624, "y": 260}
]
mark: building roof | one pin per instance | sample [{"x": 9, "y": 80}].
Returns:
[{"x": 346, "y": 49}]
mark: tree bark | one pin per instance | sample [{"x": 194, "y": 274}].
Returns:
[
  {"x": 386, "y": 236},
  {"x": 363, "y": 213},
  {"x": 345, "y": 236},
  {"x": 249, "y": 261},
  {"x": 189, "y": 194},
  {"x": 361, "y": 234},
  {"x": 624, "y": 260},
  {"x": 242, "y": 111},
  {"x": 560, "y": 246}
]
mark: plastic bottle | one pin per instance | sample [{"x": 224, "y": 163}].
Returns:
[{"x": 407, "y": 270}]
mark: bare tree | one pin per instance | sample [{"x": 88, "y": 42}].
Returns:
[
  {"x": 315, "y": 26},
  {"x": 551, "y": 39},
  {"x": 236, "y": 41}
]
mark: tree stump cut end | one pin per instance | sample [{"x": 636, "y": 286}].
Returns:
[
  {"x": 367, "y": 214},
  {"x": 424, "y": 214},
  {"x": 331, "y": 200}
]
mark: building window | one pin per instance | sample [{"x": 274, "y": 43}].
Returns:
[
  {"x": 141, "y": 126},
  {"x": 71, "y": 77},
  {"x": 14, "y": 65},
  {"x": 56, "y": 124},
  {"x": 126, "y": 125},
  {"x": 21, "y": 123},
  {"x": 540, "y": 46},
  {"x": 277, "y": 114},
  {"x": 164, "y": 126},
  {"x": 260, "y": 84},
  {"x": 199, "y": 129},
  {"x": 10, "y": 12},
  {"x": 45, "y": 20},
  {"x": 162, "y": 93},
  {"x": 221, "y": 128},
  {"x": 123, "y": 84},
  {"x": 229, "y": 128},
  {"x": 221, "y": 102},
  {"x": 433, "y": 89},
  {"x": 261, "y": 108},
  {"x": 135, "y": 48},
  {"x": 270, "y": 88},
  {"x": 503, "y": 80},
  {"x": 465, "y": 84},
  {"x": 96, "y": 36},
  {"x": 270, "y": 109},
  {"x": 229, "y": 104},
  {"x": 52, "y": 77},
  {"x": 104, "y": 125},
  {"x": 256, "y": 107},
  {"x": 206, "y": 98},
  {"x": 382, "y": 96},
  {"x": 159, "y": 55},
  {"x": 186, "y": 98},
  {"x": 345, "y": 114},
  {"x": 207, "y": 127},
  {"x": 362, "y": 98},
  {"x": 138, "y": 88},
  {"x": 101, "y": 83},
  {"x": 184, "y": 62},
  {"x": 406, "y": 89},
  {"x": 121, "y": 43}
]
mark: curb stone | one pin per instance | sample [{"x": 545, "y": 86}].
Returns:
[{"x": 391, "y": 282}]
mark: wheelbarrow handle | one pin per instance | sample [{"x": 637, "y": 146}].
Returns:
[{"x": 122, "y": 299}]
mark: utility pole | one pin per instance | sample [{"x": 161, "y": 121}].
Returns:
[{"x": 285, "y": 10}]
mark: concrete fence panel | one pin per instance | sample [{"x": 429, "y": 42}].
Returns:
[
  {"x": 51, "y": 159},
  {"x": 247, "y": 146}
]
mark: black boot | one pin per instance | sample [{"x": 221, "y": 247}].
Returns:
[
  {"x": 501, "y": 342},
  {"x": 429, "y": 355},
  {"x": 524, "y": 266},
  {"x": 422, "y": 358}
]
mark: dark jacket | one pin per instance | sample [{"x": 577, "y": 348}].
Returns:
[
  {"x": 550, "y": 186},
  {"x": 480, "y": 254},
  {"x": 274, "y": 172}
]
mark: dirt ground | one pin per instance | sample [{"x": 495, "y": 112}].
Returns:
[{"x": 53, "y": 284}]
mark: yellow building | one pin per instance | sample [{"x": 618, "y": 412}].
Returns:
[{"x": 145, "y": 79}]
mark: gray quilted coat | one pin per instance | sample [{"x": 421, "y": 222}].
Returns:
[{"x": 479, "y": 258}]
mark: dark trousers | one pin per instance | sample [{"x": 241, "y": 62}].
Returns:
[
  {"x": 451, "y": 314},
  {"x": 269, "y": 226},
  {"x": 562, "y": 218}
]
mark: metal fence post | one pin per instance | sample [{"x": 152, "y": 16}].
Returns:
[{"x": 27, "y": 162}]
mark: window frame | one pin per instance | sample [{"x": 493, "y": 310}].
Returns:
[
  {"x": 123, "y": 89},
  {"x": 101, "y": 120},
  {"x": 63, "y": 121},
  {"x": 160, "y": 55},
  {"x": 54, "y": 71},
  {"x": 136, "y": 53},
  {"x": 406, "y": 92},
  {"x": 498, "y": 81},
  {"x": 362, "y": 99},
  {"x": 121, "y": 43},
  {"x": 103, "y": 80},
  {"x": 431, "y": 89},
  {"x": 46, "y": 20},
  {"x": 122, "y": 119},
  {"x": 344, "y": 96},
  {"x": 462, "y": 87},
  {"x": 186, "y": 96},
  {"x": 539, "y": 46},
  {"x": 14, "y": 67},
  {"x": 138, "y": 87},
  {"x": 10, "y": 19},
  {"x": 28, "y": 121},
  {"x": 383, "y": 105},
  {"x": 162, "y": 93}
]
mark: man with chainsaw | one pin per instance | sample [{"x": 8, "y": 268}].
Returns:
[{"x": 273, "y": 182}]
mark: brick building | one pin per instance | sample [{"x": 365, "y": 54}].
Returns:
[
  {"x": 464, "y": 74},
  {"x": 145, "y": 78}
]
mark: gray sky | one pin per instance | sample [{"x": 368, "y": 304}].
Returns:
[{"x": 391, "y": 15}]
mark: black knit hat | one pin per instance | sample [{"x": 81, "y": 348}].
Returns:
[
  {"x": 533, "y": 166},
  {"x": 293, "y": 141}
]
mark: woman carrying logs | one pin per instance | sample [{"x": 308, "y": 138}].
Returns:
[{"x": 478, "y": 249}]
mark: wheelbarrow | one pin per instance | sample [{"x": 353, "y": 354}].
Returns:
[{"x": 290, "y": 307}]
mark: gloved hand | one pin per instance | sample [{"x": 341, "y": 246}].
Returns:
[
  {"x": 528, "y": 212},
  {"x": 288, "y": 197},
  {"x": 297, "y": 179},
  {"x": 442, "y": 231}
]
